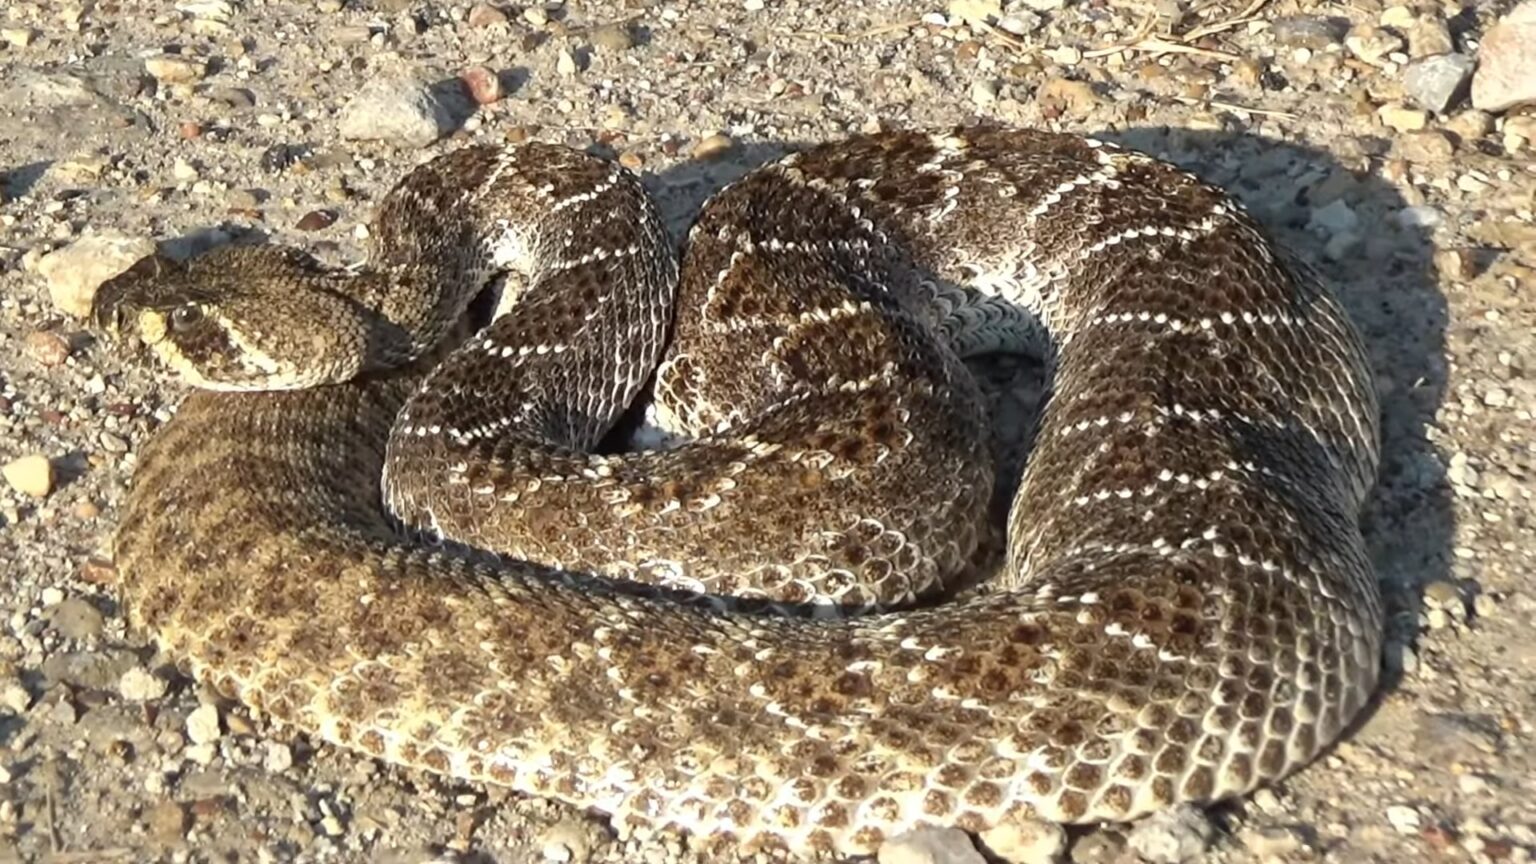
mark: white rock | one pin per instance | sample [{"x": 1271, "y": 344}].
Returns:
[
  {"x": 14, "y": 697},
  {"x": 74, "y": 272},
  {"x": 202, "y": 754},
  {"x": 1029, "y": 841},
  {"x": 565, "y": 64},
  {"x": 279, "y": 757},
  {"x": 1404, "y": 818},
  {"x": 975, "y": 11},
  {"x": 930, "y": 846},
  {"x": 203, "y": 725},
  {"x": 1506, "y": 62},
  {"x": 140, "y": 685},
  {"x": 403, "y": 110},
  {"x": 18, "y": 37},
  {"x": 31, "y": 475}
]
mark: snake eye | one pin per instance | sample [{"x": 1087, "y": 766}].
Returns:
[{"x": 185, "y": 317}]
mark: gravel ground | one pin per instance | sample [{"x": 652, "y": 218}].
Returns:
[{"x": 200, "y": 121}]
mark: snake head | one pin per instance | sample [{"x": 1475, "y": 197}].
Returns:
[{"x": 236, "y": 318}]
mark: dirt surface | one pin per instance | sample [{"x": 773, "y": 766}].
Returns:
[{"x": 201, "y": 121}]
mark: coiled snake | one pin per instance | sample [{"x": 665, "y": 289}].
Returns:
[{"x": 1186, "y": 610}]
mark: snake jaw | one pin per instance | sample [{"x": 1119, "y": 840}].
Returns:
[{"x": 121, "y": 300}]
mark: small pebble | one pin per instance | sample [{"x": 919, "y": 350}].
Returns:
[
  {"x": 1031, "y": 841},
  {"x": 203, "y": 725},
  {"x": 76, "y": 618},
  {"x": 565, "y": 63},
  {"x": 713, "y": 147},
  {"x": 1274, "y": 843},
  {"x": 140, "y": 685},
  {"x": 14, "y": 697},
  {"x": 930, "y": 846},
  {"x": 1404, "y": 818},
  {"x": 1172, "y": 836},
  {"x": 332, "y": 826},
  {"x": 1403, "y": 119},
  {"x": 1471, "y": 784},
  {"x": 47, "y": 347},
  {"x": 613, "y": 37},
  {"x": 1314, "y": 32},
  {"x": 279, "y": 757},
  {"x": 316, "y": 220},
  {"x": 18, "y": 37},
  {"x": 168, "y": 821},
  {"x": 486, "y": 15},
  {"x": 112, "y": 442},
  {"x": 1373, "y": 44},
  {"x": 30, "y": 475},
  {"x": 483, "y": 84},
  {"x": 172, "y": 69}
]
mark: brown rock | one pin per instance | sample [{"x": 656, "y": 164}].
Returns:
[
  {"x": 316, "y": 220},
  {"x": 1506, "y": 70},
  {"x": 47, "y": 347},
  {"x": 168, "y": 822},
  {"x": 483, "y": 84},
  {"x": 713, "y": 147},
  {"x": 1074, "y": 97},
  {"x": 174, "y": 69},
  {"x": 486, "y": 15}
]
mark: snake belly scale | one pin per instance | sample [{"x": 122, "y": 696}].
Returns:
[{"x": 1186, "y": 610}]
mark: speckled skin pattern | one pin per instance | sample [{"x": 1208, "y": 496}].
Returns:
[{"x": 1186, "y": 610}]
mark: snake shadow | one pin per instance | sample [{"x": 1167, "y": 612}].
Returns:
[{"x": 1337, "y": 214}]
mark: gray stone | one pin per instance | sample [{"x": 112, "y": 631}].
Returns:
[
  {"x": 1172, "y": 836},
  {"x": 1437, "y": 83},
  {"x": 1307, "y": 31},
  {"x": 77, "y": 619},
  {"x": 930, "y": 846},
  {"x": 1506, "y": 62},
  {"x": 406, "y": 110}
]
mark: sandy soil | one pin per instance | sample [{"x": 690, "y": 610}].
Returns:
[{"x": 107, "y": 754}]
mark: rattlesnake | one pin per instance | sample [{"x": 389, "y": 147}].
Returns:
[{"x": 1186, "y": 610}]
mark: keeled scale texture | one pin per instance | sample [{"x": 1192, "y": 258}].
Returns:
[{"x": 1187, "y": 610}]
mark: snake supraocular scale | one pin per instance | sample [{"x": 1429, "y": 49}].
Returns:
[{"x": 1186, "y": 611}]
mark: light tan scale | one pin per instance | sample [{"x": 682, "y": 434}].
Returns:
[{"x": 1186, "y": 610}]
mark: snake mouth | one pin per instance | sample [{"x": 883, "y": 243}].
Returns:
[{"x": 115, "y": 308}]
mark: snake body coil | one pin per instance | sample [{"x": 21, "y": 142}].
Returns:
[{"x": 1186, "y": 612}]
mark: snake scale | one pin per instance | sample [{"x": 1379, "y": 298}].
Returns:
[{"x": 1186, "y": 609}]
